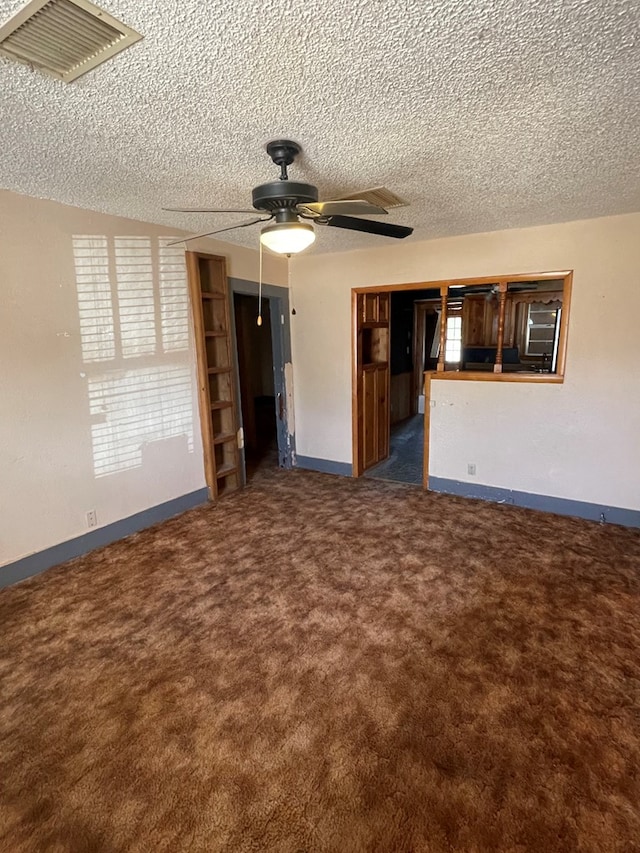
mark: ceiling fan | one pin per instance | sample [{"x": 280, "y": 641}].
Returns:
[
  {"x": 491, "y": 290},
  {"x": 290, "y": 202}
]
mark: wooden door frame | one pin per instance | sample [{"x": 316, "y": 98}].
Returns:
[
  {"x": 444, "y": 286},
  {"x": 419, "y": 334}
]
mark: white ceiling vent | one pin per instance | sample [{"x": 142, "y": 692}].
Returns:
[
  {"x": 380, "y": 196},
  {"x": 64, "y": 38}
]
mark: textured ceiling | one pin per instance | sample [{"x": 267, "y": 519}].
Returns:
[{"x": 483, "y": 115}]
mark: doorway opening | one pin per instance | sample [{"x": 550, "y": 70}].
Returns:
[
  {"x": 507, "y": 328},
  {"x": 411, "y": 334},
  {"x": 256, "y": 378}
]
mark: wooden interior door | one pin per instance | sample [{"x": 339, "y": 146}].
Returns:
[
  {"x": 372, "y": 379},
  {"x": 216, "y": 380}
]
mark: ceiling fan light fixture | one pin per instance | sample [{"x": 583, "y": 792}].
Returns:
[{"x": 287, "y": 238}]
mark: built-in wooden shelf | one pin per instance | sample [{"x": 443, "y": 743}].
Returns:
[
  {"x": 224, "y": 437},
  {"x": 216, "y": 386},
  {"x": 225, "y": 470}
]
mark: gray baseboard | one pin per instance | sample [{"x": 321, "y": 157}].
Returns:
[
  {"x": 42, "y": 560},
  {"x": 326, "y": 466},
  {"x": 561, "y": 506}
]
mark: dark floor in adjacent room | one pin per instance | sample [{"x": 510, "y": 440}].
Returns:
[
  {"x": 262, "y": 455},
  {"x": 264, "y": 459},
  {"x": 406, "y": 451},
  {"x": 328, "y": 665}
]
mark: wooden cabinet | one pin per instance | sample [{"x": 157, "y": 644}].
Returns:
[
  {"x": 401, "y": 397},
  {"x": 480, "y": 321},
  {"x": 480, "y": 318},
  {"x": 216, "y": 383},
  {"x": 372, "y": 367},
  {"x": 474, "y": 321}
]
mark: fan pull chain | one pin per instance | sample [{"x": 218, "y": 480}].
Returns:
[
  {"x": 260, "y": 289},
  {"x": 291, "y": 296}
]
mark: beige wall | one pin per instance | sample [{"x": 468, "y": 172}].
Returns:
[
  {"x": 579, "y": 440},
  {"x": 107, "y": 423},
  {"x": 84, "y": 427}
]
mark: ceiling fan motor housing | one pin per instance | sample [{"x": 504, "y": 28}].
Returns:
[{"x": 279, "y": 195}]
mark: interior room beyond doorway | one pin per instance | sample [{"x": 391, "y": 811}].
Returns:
[
  {"x": 406, "y": 450},
  {"x": 256, "y": 379}
]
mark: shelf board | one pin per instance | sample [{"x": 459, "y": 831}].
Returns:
[
  {"x": 224, "y": 471},
  {"x": 219, "y": 334},
  {"x": 223, "y": 437},
  {"x": 218, "y": 370},
  {"x": 221, "y": 404},
  {"x": 207, "y": 295}
]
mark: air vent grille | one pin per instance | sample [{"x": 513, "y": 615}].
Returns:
[
  {"x": 380, "y": 196},
  {"x": 64, "y": 38}
]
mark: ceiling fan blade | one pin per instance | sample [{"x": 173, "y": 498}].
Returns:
[
  {"x": 384, "y": 229},
  {"x": 205, "y": 210},
  {"x": 348, "y": 207},
  {"x": 220, "y": 230}
]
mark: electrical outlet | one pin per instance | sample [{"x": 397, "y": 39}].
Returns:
[
  {"x": 471, "y": 468},
  {"x": 92, "y": 519}
]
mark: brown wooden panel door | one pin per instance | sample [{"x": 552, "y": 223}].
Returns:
[
  {"x": 372, "y": 379},
  {"x": 384, "y": 306},
  {"x": 369, "y": 401},
  {"x": 382, "y": 401},
  {"x": 370, "y": 303}
]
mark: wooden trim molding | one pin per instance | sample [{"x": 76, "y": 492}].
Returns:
[
  {"x": 355, "y": 390},
  {"x": 516, "y": 278},
  {"x": 488, "y": 376},
  {"x": 427, "y": 427},
  {"x": 502, "y": 310},
  {"x": 444, "y": 292},
  {"x": 564, "y": 325}
]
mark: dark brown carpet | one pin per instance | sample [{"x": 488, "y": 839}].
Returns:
[{"x": 320, "y": 664}]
